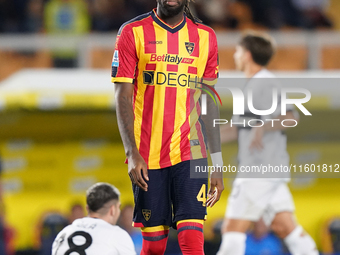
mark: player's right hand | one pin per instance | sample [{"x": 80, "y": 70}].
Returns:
[
  {"x": 137, "y": 170},
  {"x": 216, "y": 188}
]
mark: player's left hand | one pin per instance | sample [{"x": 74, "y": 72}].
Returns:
[
  {"x": 256, "y": 138},
  {"x": 216, "y": 188}
]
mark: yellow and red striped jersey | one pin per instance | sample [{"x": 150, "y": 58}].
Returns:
[{"x": 165, "y": 63}]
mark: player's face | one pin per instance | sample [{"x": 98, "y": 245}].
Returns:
[
  {"x": 239, "y": 58},
  {"x": 171, "y": 8}
]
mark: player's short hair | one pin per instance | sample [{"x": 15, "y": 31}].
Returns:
[
  {"x": 99, "y": 194},
  {"x": 260, "y": 46}
]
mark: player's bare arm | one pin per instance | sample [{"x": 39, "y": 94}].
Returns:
[
  {"x": 257, "y": 133},
  {"x": 228, "y": 133},
  {"x": 214, "y": 145},
  {"x": 125, "y": 118}
]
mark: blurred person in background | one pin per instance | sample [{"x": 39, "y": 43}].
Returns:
[
  {"x": 108, "y": 15},
  {"x": 52, "y": 223},
  {"x": 77, "y": 212},
  {"x": 274, "y": 14},
  {"x": 66, "y": 18},
  {"x": 264, "y": 196},
  {"x": 215, "y": 13},
  {"x": 313, "y": 13},
  {"x": 49, "y": 226},
  {"x": 34, "y": 16},
  {"x": 97, "y": 233},
  {"x": 213, "y": 10},
  {"x": 125, "y": 222}
]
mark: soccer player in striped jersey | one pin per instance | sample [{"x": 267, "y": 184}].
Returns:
[{"x": 159, "y": 61}]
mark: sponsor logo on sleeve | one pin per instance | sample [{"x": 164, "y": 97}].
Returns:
[{"x": 115, "y": 59}]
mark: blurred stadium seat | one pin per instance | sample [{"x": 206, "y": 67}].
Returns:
[
  {"x": 15, "y": 61},
  {"x": 290, "y": 59},
  {"x": 331, "y": 58},
  {"x": 101, "y": 58}
]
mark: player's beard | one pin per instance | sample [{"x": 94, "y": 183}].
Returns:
[{"x": 170, "y": 11}]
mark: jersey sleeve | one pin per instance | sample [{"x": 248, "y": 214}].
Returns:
[
  {"x": 125, "y": 58},
  {"x": 211, "y": 70},
  {"x": 60, "y": 240}
]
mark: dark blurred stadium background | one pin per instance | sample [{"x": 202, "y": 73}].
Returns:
[{"x": 58, "y": 132}]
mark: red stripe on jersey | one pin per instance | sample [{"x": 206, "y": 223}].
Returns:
[
  {"x": 185, "y": 128},
  {"x": 150, "y": 67},
  {"x": 172, "y": 68},
  {"x": 144, "y": 148},
  {"x": 149, "y": 38},
  {"x": 200, "y": 132},
  {"x": 192, "y": 70},
  {"x": 173, "y": 43},
  {"x": 194, "y": 37},
  {"x": 168, "y": 125}
]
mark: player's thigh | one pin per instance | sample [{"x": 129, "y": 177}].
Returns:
[
  {"x": 281, "y": 201},
  {"x": 188, "y": 195},
  {"x": 153, "y": 207},
  {"x": 279, "y": 213},
  {"x": 248, "y": 200},
  {"x": 235, "y": 225}
]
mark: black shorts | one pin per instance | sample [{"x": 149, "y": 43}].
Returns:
[{"x": 172, "y": 196}]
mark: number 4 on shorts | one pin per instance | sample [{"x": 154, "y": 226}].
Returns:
[{"x": 201, "y": 196}]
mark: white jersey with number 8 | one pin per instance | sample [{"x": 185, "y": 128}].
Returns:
[{"x": 91, "y": 236}]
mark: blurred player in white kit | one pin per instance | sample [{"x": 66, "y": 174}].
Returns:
[
  {"x": 267, "y": 197},
  {"x": 97, "y": 233}
]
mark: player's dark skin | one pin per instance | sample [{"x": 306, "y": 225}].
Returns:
[{"x": 171, "y": 12}]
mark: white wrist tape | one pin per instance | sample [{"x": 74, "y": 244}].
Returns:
[{"x": 216, "y": 159}]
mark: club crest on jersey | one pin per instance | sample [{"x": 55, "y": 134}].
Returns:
[
  {"x": 146, "y": 214},
  {"x": 190, "y": 47}
]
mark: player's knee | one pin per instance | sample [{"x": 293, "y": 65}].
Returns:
[
  {"x": 235, "y": 225},
  {"x": 280, "y": 229}
]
